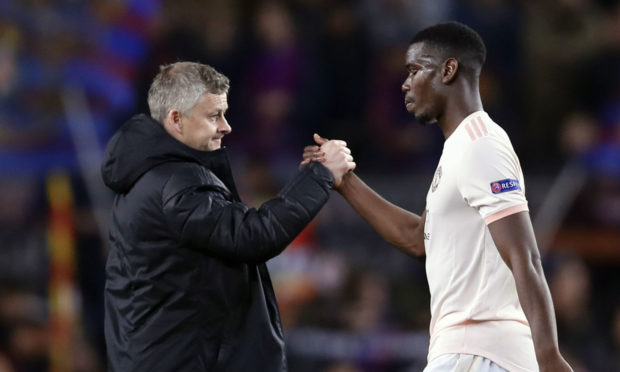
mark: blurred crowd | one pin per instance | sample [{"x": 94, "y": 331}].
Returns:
[{"x": 72, "y": 71}]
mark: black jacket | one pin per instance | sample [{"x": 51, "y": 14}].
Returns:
[{"x": 186, "y": 284}]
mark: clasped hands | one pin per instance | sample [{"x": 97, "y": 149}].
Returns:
[{"x": 333, "y": 154}]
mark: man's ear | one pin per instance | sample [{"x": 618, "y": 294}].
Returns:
[
  {"x": 449, "y": 70},
  {"x": 173, "y": 122}
]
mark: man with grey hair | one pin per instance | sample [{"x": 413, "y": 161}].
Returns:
[{"x": 187, "y": 288}]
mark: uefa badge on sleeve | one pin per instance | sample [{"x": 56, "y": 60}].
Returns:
[{"x": 505, "y": 186}]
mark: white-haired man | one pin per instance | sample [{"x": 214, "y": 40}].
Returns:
[{"x": 186, "y": 284}]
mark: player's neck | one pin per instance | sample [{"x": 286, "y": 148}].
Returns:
[{"x": 458, "y": 109}]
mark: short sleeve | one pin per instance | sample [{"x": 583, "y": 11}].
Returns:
[{"x": 490, "y": 179}]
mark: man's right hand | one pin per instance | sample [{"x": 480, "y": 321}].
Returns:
[{"x": 334, "y": 154}]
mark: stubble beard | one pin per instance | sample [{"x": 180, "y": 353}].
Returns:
[{"x": 425, "y": 119}]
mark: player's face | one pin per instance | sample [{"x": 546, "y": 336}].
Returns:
[
  {"x": 205, "y": 125},
  {"x": 422, "y": 84}
]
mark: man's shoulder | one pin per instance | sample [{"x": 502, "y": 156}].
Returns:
[
  {"x": 177, "y": 176},
  {"x": 481, "y": 134},
  {"x": 486, "y": 150}
]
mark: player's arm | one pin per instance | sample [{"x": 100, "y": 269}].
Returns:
[
  {"x": 514, "y": 237},
  {"x": 397, "y": 226}
]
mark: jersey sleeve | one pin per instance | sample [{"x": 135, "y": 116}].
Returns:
[{"x": 490, "y": 179}]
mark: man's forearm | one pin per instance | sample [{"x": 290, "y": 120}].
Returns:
[
  {"x": 209, "y": 222},
  {"x": 396, "y": 225}
]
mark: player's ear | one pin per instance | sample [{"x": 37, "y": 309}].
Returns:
[
  {"x": 449, "y": 70},
  {"x": 173, "y": 121}
]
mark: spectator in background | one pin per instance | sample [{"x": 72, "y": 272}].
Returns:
[
  {"x": 613, "y": 363},
  {"x": 559, "y": 37},
  {"x": 600, "y": 87},
  {"x": 192, "y": 31},
  {"x": 27, "y": 336},
  {"x": 28, "y": 106},
  {"x": 272, "y": 80},
  {"x": 344, "y": 55},
  {"x": 590, "y": 138},
  {"x": 390, "y": 20},
  {"x": 571, "y": 290}
]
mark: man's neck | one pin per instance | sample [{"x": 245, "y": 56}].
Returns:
[{"x": 458, "y": 109}]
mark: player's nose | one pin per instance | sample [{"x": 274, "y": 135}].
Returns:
[
  {"x": 225, "y": 127},
  {"x": 406, "y": 86}
]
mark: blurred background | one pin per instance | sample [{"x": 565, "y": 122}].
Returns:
[{"x": 72, "y": 71}]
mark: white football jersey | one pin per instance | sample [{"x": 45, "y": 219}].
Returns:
[{"x": 474, "y": 303}]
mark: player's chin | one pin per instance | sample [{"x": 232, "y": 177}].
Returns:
[
  {"x": 410, "y": 107},
  {"x": 216, "y": 144},
  {"x": 424, "y": 119},
  {"x": 418, "y": 114}
]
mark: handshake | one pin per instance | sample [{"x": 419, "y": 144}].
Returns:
[{"x": 333, "y": 154}]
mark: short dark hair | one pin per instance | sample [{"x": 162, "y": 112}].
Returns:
[{"x": 455, "y": 40}]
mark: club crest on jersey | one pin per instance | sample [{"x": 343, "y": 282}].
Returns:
[
  {"x": 505, "y": 186},
  {"x": 436, "y": 179}
]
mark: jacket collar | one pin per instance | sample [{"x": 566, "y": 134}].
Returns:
[{"x": 142, "y": 143}]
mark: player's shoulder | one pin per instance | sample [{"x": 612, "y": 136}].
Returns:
[
  {"x": 479, "y": 127},
  {"x": 482, "y": 140}
]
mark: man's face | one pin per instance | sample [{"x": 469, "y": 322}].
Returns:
[
  {"x": 205, "y": 125},
  {"x": 422, "y": 83}
]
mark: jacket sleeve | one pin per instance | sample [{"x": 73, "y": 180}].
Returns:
[{"x": 207, "y": 219}]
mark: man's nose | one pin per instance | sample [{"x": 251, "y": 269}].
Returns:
[
  {"x": 225, "y": 127},
  {"x": 406, "y": 85}
]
